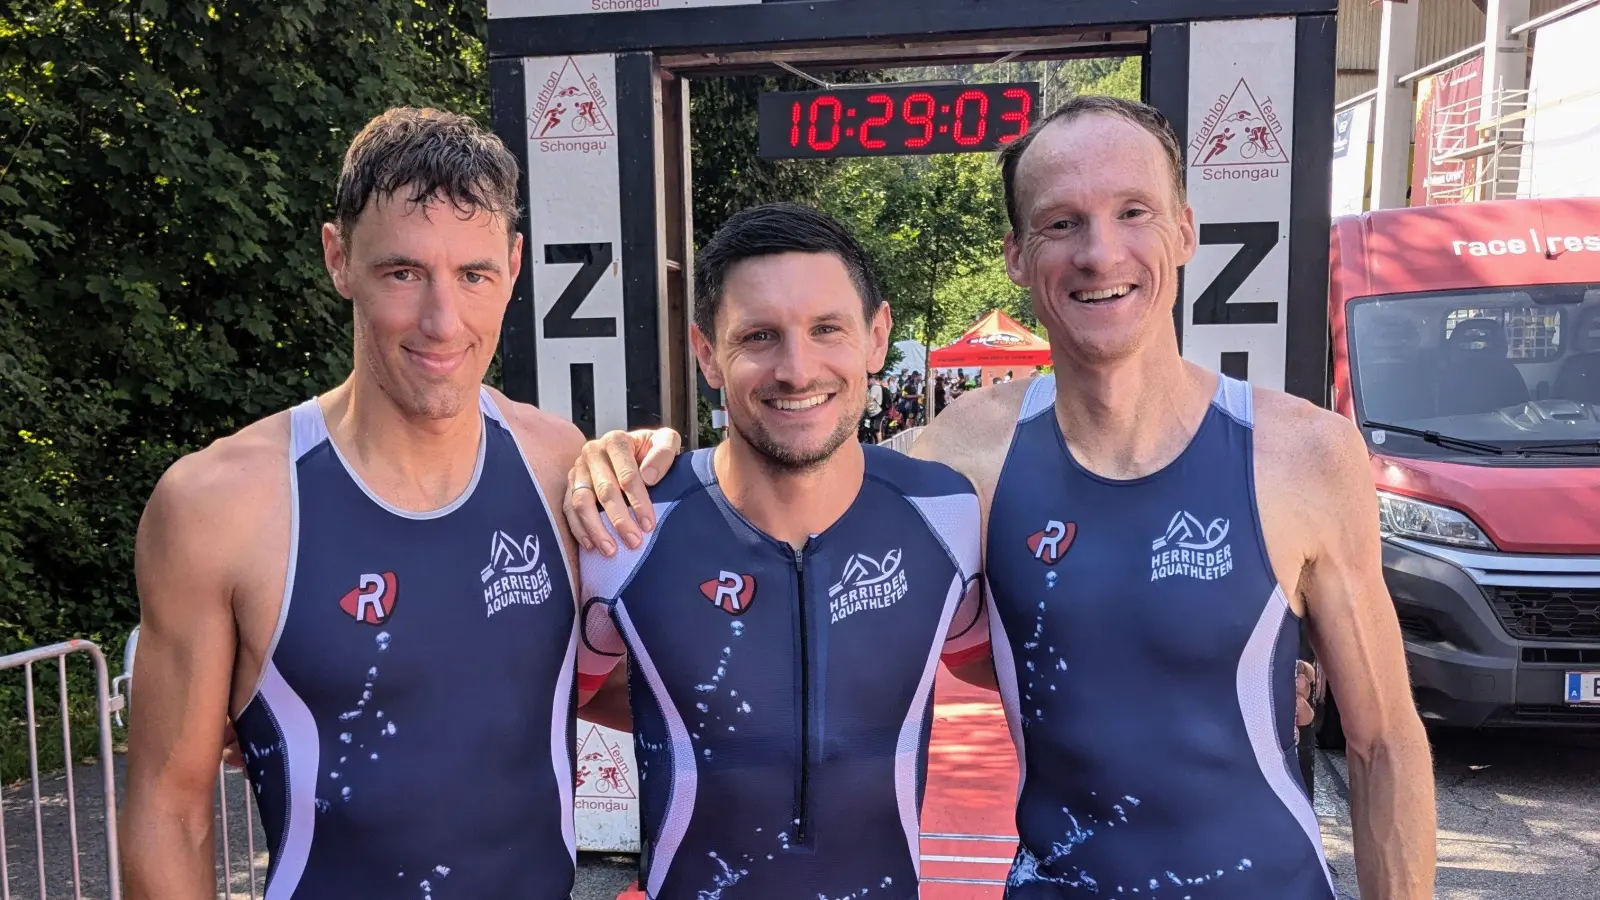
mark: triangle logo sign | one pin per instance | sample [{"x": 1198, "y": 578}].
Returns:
[
  {"x": 569, "y": 110},
  {"x": 1239, "y": 131},
  {"x": 602, "y": 769}
]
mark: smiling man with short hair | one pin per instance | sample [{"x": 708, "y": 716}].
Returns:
[
  {"x": 786, "y": 615},
  {"x": 1155, "y": 533}
]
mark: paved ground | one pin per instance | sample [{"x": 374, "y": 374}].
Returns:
[
  {"x": 1519, "y": 816},
  {"x": 1519, "y": 819}
]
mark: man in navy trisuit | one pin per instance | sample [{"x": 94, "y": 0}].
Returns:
[
  {"x": 785, "y": 618},
  {"x": 1155, "y": 533},
  {"x": 371, "y": 585}
]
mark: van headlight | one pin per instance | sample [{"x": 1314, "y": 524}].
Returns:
[{"x": 1406, "y": 517}]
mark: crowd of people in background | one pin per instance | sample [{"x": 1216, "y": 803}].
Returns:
[{"x": 896, "y": 402}]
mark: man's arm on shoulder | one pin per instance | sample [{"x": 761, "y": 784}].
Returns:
[
  {"x": 1356, "y": 635},
  {"x": 185, "y": 565},
  {"x": 610, "y": 482}
]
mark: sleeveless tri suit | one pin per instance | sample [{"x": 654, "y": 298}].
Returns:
[
  {"x": 782, "y": 699},
  {"x": 1146, "y": 658},
  {"x": 411, "y": 736}
]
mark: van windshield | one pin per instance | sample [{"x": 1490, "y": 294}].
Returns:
[{"x": 1512, "y": 369}]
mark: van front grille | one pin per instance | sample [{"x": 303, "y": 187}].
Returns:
[{"x": 1547, "y": 614}]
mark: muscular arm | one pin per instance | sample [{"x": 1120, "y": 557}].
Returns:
[
  {"x": 182, "y": 676},
  {"x": 1357, "y": 637}
]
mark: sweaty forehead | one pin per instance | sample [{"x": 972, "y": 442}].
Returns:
[{"x": 1094, "y": 156}]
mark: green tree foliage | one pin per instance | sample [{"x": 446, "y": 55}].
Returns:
[
  {"x": 729, "y": 173},
  {"x": 925, "y": 220},
  {"x": 166, "y": 165},
  {"x": 968, "y": 297},
  {"x": 936, "y": 224},
  {"x": 1059, "y": 80},
  {"x": 1120, "y": 78}
]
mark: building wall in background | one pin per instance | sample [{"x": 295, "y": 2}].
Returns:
[
  {"x": 1446, "y": 26},
  {"x": 1564, "y": 130}
]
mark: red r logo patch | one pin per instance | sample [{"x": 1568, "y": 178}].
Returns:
[
  {"x": 731, "y": 591},
  {"x": 373, "y": 602},
  {"x": 1050, "y": 544}
]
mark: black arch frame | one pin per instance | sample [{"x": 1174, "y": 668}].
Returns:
[{"x": 642, "y": 37}]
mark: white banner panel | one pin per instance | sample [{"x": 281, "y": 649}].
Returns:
[
  {"x": 1352, "y": 139},
  {"x": 1241, "y": 132},
  {"x": 1564, "y": 132},
  {"x": 510, "y": 9},
  {"x": 575, "y": 227}
]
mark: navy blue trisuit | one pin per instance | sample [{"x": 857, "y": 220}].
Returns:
[
  {"x": 411, "y": 735},
  {"x": 782, "y": 697},
  {"x": 1146, "y": 659}
]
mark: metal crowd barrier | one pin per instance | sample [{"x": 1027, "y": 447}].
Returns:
[
  {"x": 903, "y": 440},
  {"x": 113, "y": 699},
  {"x": 105, "y": 704}
]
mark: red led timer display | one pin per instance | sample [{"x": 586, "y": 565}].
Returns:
[{"x": 895, "y": 120}]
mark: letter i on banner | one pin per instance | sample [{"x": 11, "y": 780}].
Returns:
[
  {"x": 1241, "y": 133},
  {"x": 575, "y": 232}
]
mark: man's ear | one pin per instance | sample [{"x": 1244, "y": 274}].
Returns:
[
  {"x": 1012, "y": 251},
  {"x": 516, "y": 258},
  {"x": 878, "y": 331},
  {"x": 706, "y": 355},
  {"x": 334, "y": 259},
  {"x": 1186, "y": 231}
]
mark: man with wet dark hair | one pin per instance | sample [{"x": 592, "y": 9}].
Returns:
[{"x": 370, "y": 585}]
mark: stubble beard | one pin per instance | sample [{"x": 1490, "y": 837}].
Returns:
[
  {"x": 425, "y": 400},
  {"x": 787, "y": 460}
]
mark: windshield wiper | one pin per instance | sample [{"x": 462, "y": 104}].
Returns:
[
  {"x": 1437, "y": 439},
  {"x": 1562, "y": 448}
]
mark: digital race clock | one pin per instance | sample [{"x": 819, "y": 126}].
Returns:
[{"x": 895, "y": 120}]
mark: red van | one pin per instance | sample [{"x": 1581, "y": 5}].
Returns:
[{"x": 1466, "y": 346}]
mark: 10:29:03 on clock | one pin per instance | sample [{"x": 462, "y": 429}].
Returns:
[{"x": 895, "y": 120}]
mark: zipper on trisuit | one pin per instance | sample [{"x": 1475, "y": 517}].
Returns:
[{"x": 805, "y": 702}]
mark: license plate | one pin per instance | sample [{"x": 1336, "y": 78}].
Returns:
[{"x": 1583, "y": 687}]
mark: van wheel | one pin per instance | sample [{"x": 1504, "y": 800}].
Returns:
[{"x": 1328, "y": 726}]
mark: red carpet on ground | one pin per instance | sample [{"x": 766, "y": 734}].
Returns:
[{"x": 968, "y": 825}]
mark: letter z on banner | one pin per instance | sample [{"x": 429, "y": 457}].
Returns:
[
  {"x": 1241, "y": 128},
  {"x": 575, "y": 229}
]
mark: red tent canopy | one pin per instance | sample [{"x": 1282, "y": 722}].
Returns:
[{"x": 997, "y": 340}]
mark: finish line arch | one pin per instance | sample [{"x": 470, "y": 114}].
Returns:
[
  {"x": 597, "y": 326},
  {"x": 592, "y": 97}
]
